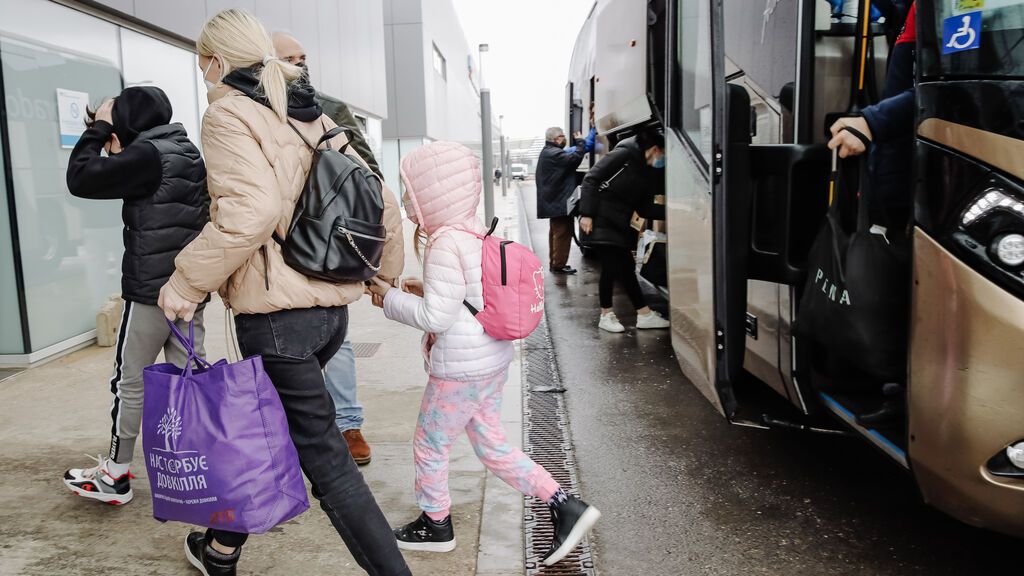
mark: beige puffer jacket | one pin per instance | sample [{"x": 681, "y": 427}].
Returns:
[{"x": 257, "y": 166}]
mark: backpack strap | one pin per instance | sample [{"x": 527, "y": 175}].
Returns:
[
  {"x": 327, "y": 136},
  {"x": 311, "y": 147},
  {"x": 494, "y": 225}
]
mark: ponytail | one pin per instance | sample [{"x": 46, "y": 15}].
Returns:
[
  {"x": 241, "y": 41},
  {"x": 274, "y": 80}
]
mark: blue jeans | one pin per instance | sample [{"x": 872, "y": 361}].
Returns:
[{"x": 340, "y": 376}]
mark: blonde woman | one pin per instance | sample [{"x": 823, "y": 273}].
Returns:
[{"x": 256, "y": 168}]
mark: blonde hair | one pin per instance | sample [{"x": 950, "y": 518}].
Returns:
[{"x": 241, "y": 41}]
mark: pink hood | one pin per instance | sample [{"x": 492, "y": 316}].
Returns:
[{"x": 443, "y": 181}]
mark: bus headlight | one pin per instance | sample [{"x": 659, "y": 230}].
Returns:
[
  {"x": 1015, "y": 453},
  {"x": 1009, "y": 249}
]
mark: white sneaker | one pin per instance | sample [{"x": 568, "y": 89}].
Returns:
[
  {"x": 651, "y": 321},
  {"x": 609, "y": 323},
  {"x": 97, "y": 483}
]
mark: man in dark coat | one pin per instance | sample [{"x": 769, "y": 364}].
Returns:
[
  {"x": 340, "y": 372},
  {"x": 556, "y": 179},
  {"x": 289, "y": 49}
]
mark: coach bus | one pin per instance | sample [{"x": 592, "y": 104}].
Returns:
[{"x": 745, "y": 96}]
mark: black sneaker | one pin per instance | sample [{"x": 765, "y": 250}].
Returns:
[
  {"x": 572, "y": 519},
  {"x": 206, "y": 559},
  {"x": 97, "y": 483},
  {"x": 563, "y": 270},
  {"x": 425, "y": 535}
]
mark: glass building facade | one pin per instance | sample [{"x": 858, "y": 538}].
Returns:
[{"x": 60, "y": 256}]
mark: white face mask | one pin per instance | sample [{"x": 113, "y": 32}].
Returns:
[{"x": 210, "y": 85}]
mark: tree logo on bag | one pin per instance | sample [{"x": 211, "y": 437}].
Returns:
[
  {"x": 170, "y": 428},
  {"x": 176, "y": 470}
]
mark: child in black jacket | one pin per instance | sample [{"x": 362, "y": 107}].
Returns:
[{"x": 152, "y": 166}]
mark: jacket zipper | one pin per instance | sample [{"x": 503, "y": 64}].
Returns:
[
  {"x": 266, "y": 267},
  {"x": 504, "y": 273},
  {"x": 359, "y": 234}
]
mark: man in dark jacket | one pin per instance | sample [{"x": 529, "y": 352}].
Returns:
[
  {"x": 157, "y": 172},
  {"x": 889, "y": 127},
  {"x": 340, "y": 372},
  {"x": 556, "y": 179},
  {"x": 290, "y": 50}
]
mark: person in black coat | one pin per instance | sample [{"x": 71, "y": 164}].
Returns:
[
  {"x": 556, "y": 179},
  {"x": 131, "y": 152},
  {"x": 889, "y": 127},
  {"x": 621, "y": 183}
]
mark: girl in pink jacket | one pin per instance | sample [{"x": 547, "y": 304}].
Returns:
[{"x": 467, "y": 367}]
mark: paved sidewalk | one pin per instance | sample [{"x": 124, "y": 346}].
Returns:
[{"x": 51, "y": 415}]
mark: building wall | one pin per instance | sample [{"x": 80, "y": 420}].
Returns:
[
  {"x": 405, "y": 73},
  {"x": 70, "y": 249},
  {"x": 342, "y": 38},
  {"x": 423, "y": 104},
  {"x": 452, "y": 103}
]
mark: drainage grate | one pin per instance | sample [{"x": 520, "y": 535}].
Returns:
[
  {"x": 365, "y": 349},
  {"x": 547, "y": 440}
]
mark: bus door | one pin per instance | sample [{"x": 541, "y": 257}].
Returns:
[
  {"x": 714, "y": 176},
  {"x": 692, "y": 141}
]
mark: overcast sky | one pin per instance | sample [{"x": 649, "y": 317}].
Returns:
[{"x": 528, "y": 65}]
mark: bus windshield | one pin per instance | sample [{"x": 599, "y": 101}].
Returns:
[{"x": 975, "y": 38}]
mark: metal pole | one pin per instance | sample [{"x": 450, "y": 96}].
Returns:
[
  {"x": 506, "y": 161},
  {"x": 488, "y": 154},
  {"x": 501, "y": 164}
]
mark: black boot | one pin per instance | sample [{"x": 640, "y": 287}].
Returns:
[
  {"x": 572, "y": 518},
  {"x": 207, "y": 560},
  {"x": 425, "y": 535}
]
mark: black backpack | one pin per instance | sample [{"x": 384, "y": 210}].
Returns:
[{"x": 337, "y": 230}]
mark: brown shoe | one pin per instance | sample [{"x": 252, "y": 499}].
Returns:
[{"x": 357, "y": 446}]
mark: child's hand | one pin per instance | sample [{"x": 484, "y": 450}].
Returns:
[
  {"x": 105, "y": 111},
  {"x": 377, "y": 300},
  {"x": 378, "y": 287},
  {"x": 413, "y": 286}
]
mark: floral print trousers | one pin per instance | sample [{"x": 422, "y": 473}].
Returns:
[{"x": 447, "y": 409}]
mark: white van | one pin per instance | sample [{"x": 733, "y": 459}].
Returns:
[{"x": 518, "y": 171}]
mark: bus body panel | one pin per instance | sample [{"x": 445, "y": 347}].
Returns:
[
  {"x": 690, "y": 267},
  {"x": 620, "y": 64},
  {"x": 966, "y": 388}
]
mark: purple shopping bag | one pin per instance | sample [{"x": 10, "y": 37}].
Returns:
[{"x": 216, "y": 444}]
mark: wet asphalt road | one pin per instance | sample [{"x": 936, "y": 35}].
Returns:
[{"x": 685, "y": 493}]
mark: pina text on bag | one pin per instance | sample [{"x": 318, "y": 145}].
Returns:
[{"x": 831, "y": 289}]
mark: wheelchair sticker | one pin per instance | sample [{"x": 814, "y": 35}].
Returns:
[{"x": 961, "y": 32}]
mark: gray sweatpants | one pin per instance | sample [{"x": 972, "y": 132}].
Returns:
[{"x": 143, "y": 334}]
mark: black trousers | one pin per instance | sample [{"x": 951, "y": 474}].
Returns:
[
  {"x": 618, "y": 265},
  {"x": 295, "y": 346}
]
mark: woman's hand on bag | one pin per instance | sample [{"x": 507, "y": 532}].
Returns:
[
  {"x": 587, "y": 224},
  {"x": 413, "y": 286},
  {"x": 175, "y": 306}
]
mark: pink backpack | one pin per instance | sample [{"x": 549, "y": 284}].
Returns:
[{"x": 513, "y": 280}]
